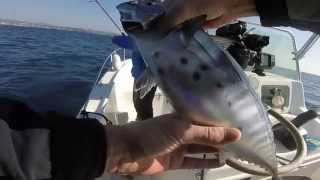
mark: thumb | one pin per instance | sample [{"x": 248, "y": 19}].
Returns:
[
  {"x": 174, "y": 16},
  {"x": 178, "y": 11},
  {"x": 218, "y": 22},
  {"x": 211, "y": 136}
]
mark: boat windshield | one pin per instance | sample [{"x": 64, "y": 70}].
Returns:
[{"x": 282, "y": 46}]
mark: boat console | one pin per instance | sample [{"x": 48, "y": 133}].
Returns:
[{"x": 278, "y": 92}]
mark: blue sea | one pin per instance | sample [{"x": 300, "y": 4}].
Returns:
[{"x": 54, "y": 70}]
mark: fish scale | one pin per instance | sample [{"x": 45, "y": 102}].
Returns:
[{"x": 205, "y": 84}]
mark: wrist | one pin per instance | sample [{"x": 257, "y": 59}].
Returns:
[
  {"x": 242, "y": 8},
  {"x": 123, "y": 149},
  {"x": 273, "y": 12}
]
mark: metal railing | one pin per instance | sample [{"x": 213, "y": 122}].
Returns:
[{"x": 109, "y": 59}]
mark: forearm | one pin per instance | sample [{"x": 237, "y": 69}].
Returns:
[
  {"x": 273, "y": 12},
  {"x": 78, "y": 148},
  {"x": 294, "y": 13},
  {"x": 34, "y": 146},
  {"x": 242, "y": 8},
  {"x": 307, "y": 10}
]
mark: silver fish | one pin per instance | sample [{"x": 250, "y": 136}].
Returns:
[{"x": 206, "y": 84}]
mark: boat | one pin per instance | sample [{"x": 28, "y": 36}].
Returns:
[{"x": 281, "y": 88}]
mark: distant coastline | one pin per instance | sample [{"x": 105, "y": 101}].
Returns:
[{"x": 11, "y": 22}]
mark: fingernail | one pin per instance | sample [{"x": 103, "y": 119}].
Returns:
[
  {"x": 238, "y": 134},
  {"x": 235, "y": 134}
]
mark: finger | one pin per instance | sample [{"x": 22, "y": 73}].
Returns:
[
  {"x": 218, "y": 22},
  {"x": 174, "y": 16},
  {"x": 196, "y": 149},
  {"x": 211, "y": 136},
  {"x": 194, "y": 163},
  {"x": 178, "y": 12}
]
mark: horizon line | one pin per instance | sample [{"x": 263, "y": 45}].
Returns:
[{"x": 55, "y": 26}]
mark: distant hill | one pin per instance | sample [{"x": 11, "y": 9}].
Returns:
[{"x": 10, "y": 22}]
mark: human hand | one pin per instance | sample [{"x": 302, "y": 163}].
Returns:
[
  {"x": 219, "y": 12},
  {"x": 160, "y": 144}
]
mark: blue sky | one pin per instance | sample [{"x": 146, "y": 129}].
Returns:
[
  {"x": 81, "y": 13},
  {"x": 74, "y": 13}
]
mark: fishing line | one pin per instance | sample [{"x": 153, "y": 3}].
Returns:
[{"x": 108, "y": 15}]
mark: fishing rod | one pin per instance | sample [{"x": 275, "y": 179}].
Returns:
[{"x": 108, "y": 15}]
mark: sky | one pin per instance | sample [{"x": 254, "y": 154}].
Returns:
[
  {"x": 73, "y": 13},
  {"x": 83, "y": 14}
]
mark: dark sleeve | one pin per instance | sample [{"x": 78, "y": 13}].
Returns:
[
  {"x": 294, "y": 13},
  {"x": 78, "y": 148},
  {"x": 34, "y": 146}
]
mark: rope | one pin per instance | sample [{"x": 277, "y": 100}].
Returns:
[{"x": 297, "y": 161}]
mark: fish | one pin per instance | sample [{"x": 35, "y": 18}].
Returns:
[{"x": 205, "y": 83}]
